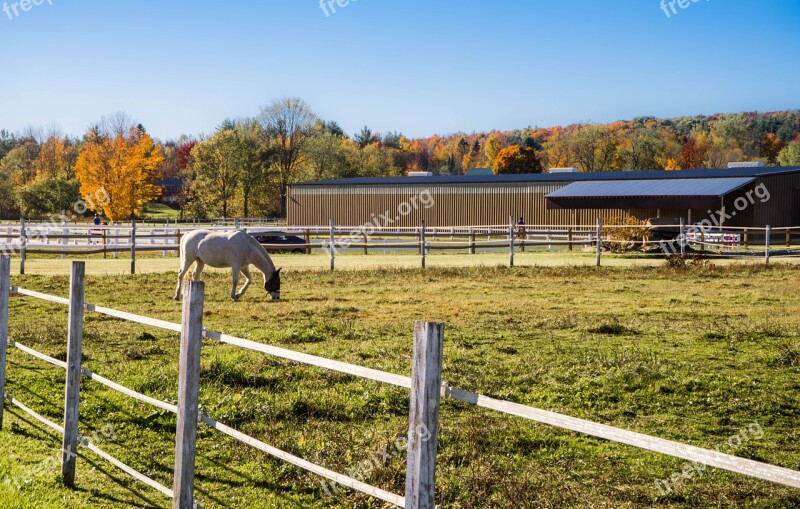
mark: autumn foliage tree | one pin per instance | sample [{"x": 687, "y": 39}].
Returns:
[
  {"x": 790, "y": 156},
  {"x": 517, "y": 159},
  {"x": 124, "y": 167}
]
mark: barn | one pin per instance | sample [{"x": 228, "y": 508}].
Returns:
[{"x": 748, "y": 196}]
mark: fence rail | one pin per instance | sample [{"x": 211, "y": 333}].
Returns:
[
  {"x": 426, "y": 387},
  {"x": 70, "y": 240}
]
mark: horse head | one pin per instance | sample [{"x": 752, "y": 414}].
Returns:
[{"x": 273, "y": 285}]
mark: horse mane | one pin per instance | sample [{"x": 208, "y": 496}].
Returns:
[{"x": 264, "y": 258}]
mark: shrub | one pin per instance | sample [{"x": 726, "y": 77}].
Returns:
[{"x": 626, "y": 234}]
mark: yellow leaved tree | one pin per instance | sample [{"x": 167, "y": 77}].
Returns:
[{"x": 123, "y": 167}]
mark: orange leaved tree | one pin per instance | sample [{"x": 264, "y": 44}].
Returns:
[
  {"x": 122, "y": 167},
  {"x": 517, "y": 159}
]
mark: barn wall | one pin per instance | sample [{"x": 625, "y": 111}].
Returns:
[
  {"x": 781, "y": 210},
  {"x": 449, "y": 205},
  {"x": 461, "y": 204}
]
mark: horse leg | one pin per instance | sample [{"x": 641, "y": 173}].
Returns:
[
  {"x": 247, "y": 280},
  {"x": 198, "y": 270},
  {"x": 185, "y": 264},
  {"x": 235, "y": 277}
]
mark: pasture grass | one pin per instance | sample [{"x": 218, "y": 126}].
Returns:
[
  {"x": 159, "y": 211},
  {"x": 154, "y": 262},
  {"x": 692, "y": 355}
]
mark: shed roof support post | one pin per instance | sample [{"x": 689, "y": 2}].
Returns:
[
  {"x": 5, "y": 285},
  {"x": 69, "y": 448},
  {"x": 188, "y": 392}
]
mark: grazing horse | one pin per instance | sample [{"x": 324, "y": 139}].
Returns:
[{"x": 236, "y": 250}]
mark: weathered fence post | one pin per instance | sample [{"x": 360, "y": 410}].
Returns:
[
  {"x": 471, "y": 240},
  {"x": 65, "y": 239},
  {"x": 422, "y": 242},
  {"x": 365, "y": 238},
  {"x": 423, "y": 426},
  {"x": 23, "y": 245},
  {"x": 767, "y": 245},
  {"x": 105, "y": 244},
  {"x": 569, "y": 238},
  {"x": 115, "y": 243},
  {"x": 788, "y": 237},
  {"x": 308, "y": 241},
  {"x": 332, "y": 246},
  {"x": 682, "y": 238},
  {"x": 188, "y": 391},
  {"x": 746, "y": 238},
  {"x": 69, "y": 448},
  {"x": 599, "y": 240},
  {"x": 5, "y": 284},
  {"x": 133, "y": 246},
  {"x": 511, "y": 242}
]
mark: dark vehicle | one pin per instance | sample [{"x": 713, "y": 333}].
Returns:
[{"x": 281, "y": 243}]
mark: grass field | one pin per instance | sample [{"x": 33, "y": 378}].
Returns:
[
  {"x": 155, "y": 263},
  {"x": 691, "y": 355},
  {"x": 156, "y": 211}
]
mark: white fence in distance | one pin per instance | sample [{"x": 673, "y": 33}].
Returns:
[{"x": 66, "y": 240}]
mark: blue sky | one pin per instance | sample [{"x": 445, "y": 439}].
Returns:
[{"x": 416, "y": 66}]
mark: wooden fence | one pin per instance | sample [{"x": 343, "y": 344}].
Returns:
[
  {"x": 25, "y": 239},
  {"x": 425, "y": 384}
]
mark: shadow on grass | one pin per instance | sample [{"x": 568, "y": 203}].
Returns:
[{"x": 50, "y": 435}]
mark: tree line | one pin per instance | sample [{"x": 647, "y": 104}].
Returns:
[{"x": 245, "y": 167}]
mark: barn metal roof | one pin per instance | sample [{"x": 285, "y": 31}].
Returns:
[
  {"x": 752, "y": 172},
  {"x": 688, "y": 193}
]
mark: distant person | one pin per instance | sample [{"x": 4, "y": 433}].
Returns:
[
  {"x": 521, "y": 232},
  {"x": 97, "y": 220}
]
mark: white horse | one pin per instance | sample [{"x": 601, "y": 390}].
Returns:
[{"x": 236, "y": 250}]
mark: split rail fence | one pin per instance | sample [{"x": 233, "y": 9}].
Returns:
[
  {"x": 728, "y": 242},
  {"x": 426, "y": 385}
]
